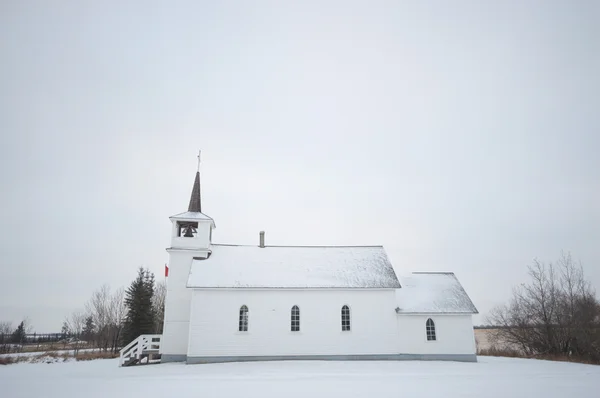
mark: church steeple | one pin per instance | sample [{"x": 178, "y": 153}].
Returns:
[{"x": 195, "y": 201}]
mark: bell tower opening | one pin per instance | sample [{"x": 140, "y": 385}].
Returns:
[{"x": 187, "y": 229}]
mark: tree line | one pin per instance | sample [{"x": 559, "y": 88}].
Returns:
[
  {"x": 555, "y": 314},
  {"x": 9, "y": 336},
  {"x": 109, "y": 320}
]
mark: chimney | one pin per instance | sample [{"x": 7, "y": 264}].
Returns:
[{"x": 262, "y": 239}]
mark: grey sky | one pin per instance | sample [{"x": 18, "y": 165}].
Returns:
[{"x": 461, "y": 135}]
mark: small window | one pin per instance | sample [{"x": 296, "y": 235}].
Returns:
[
  {"x": 295, "y": 319},
  {"x": 243, "y": 319},
  {"x": 430, "y": 328},
  {"x": 345, "y": 319}
]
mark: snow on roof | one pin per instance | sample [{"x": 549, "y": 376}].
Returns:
[
  {"x": 191, "y": 215},
  {"x": 293, "y": 267},
  {"x": 433, "y": 292}
]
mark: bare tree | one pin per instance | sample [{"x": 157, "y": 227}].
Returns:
[
  {"x": 98, "y": 307},
  {"x": 158, "y": 306},
  {"x": 5, "y": 327},
  {"x": 109, "y": 312},
  {"x": 5, "y": 335},
  {"x": 556, "y": 313},
  {"x": 117, "y": 312},
  {"x": 27, "y": 325},
  {"x": 75, "y": 324}
]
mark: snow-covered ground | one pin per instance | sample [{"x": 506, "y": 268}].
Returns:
[
  {"x": 490, "y": 377},
  {"x": 37, "y": 353}
]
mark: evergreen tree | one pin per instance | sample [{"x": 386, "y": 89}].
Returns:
[
  {"x": 138, "y": 300},
  {"x": 64, "y": 331},
  {"x": 88, "y": 329},
  {"x": 19, "y": 336}
]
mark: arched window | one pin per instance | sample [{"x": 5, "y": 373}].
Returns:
[
  {"x": 243, "y": 319},
  {"x": 430, "y": 328},
  {"x": 345, "y": 319},
  {"x": 295, "y": 319}
]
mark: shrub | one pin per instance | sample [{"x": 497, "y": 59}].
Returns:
[{"x": 88, "y": 356}]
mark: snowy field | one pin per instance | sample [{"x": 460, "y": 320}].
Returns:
[
  {"x": 36, "y": 353},
  {"x": 491, "y": 377}
]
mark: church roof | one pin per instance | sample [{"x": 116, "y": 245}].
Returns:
[
  {"x": 433, "y": 292},
  {"x": 232, "y": 266},
  {"x": 189, "y": 215}
]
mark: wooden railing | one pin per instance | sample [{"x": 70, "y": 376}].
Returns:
[{"x": 144, "y": 350}]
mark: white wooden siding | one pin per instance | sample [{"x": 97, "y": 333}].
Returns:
[
  {"x": 177, "y": 304},
  {"x": 215, "y": 315},
  {"x": 375, "y": 326},
  {"x": 454, "y": 334}
]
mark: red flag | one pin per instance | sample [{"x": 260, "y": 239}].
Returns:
[{"x": 166, "y": 270}]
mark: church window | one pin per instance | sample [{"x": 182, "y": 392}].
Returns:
[
  {"x": 295, "y": 319},
  {"x": 243, "y": 319},
  {"x": 345, "y": 319},
  {"x": 430, "y": 328}
]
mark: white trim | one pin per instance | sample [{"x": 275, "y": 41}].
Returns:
[
  {"x": 351, "y": 289},
  {"x": 359, "y": 357},
  {"x": 187, "y": 249},
  {"x": 429, "y": 314}
]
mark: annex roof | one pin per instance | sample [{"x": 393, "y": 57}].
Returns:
[
  {"x": 232, "y": 266},
  {"x": 433, "y": 292}
]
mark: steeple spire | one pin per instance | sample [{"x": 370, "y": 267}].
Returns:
[{"x": 195, "y": 202}]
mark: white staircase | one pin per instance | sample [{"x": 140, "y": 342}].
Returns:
[{"x": 143, "y": 350}]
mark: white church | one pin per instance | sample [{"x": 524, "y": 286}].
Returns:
[{"x": 230, "y": 302}]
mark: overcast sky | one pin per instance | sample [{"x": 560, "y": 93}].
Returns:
[{"x": 463, "y": 136}]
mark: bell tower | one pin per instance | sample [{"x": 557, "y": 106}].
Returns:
[
  {"x": 191, "y": 236},
  {"x": 192, "y": 229}
]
